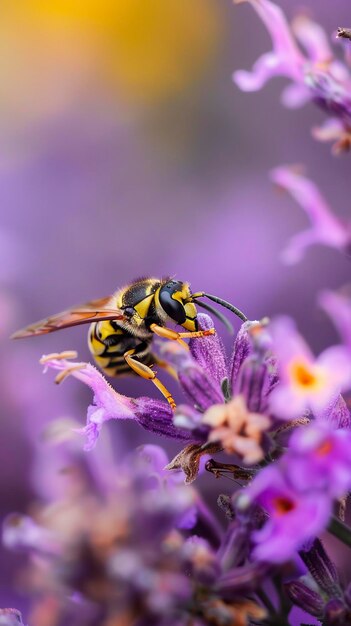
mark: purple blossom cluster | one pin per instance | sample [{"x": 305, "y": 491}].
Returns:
[
  {"x": 142, "y": 546},
  {"x": 273, "y": 401},
  {"x": 139, "y": 547},
  {"x": 272, "y": 418},
  {"x": 315, "y": 73}
]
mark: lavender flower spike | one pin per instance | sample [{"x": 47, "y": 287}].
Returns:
[
  {"x": 325, "y": 229},
  {"x": 153, "y": 415}
]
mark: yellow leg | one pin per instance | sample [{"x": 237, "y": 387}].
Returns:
[
  {"x": 168, "y": 333},
  {"x": 146, "y": 372}
]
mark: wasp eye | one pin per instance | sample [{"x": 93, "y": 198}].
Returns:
[{"x": 172, "y": 307}]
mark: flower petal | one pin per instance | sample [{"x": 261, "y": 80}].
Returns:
[
  {"x": 285, "y": 59},
  {"x": 209, "y": 351},
  {"x": 241, "y": 349},
  {"x": 295, "y": 96},
  {"x": 336, "y": 413},
  {"x": 288, "y": 344},
  {"x": 285, "y": 530},
  {"x": 267, "y": 66},
  {"x": 157, "y": 416},
  {"x": 153, "y": 415},
  {"x": 336, "y": 361},
  {"x": 313, "y": 38},
  {"x": 325, "y": 227}
]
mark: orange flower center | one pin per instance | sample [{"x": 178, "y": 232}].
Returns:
[
  {"x": 303, "y": 375},
  {"x": 283, "y": 505},
  {"x": 324, "y": 448}
]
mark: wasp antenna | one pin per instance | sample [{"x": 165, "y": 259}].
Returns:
[
  {"x": 224, "y": 303},
  {"x": 217, "y": 314}
]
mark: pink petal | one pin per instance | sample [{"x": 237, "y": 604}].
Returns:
[
  {"x": 331, "y": 130},
  {"x": 267, "y": 66},
  {"x": 288, "y": 344},
  {"x": 337, "y": 362},
  {"x": 285, "y": 404},
  {"x": 325, "y": 227},
  {"x": 295, "y": 250},
  {"x": 285, "y": 59},
  {"x": 295, "y": 95},
  {"x": 313, "y": 38},
  {"x": 283, "y": 41}
]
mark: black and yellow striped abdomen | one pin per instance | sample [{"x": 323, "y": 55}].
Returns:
[
  {"x": 108, "y": 344},
  {"x": 109, "y": 341}
]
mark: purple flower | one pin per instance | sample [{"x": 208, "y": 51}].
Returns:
[
  {"x": 202, "y": 368},
  {"x": 293, "y": 517},
  {"x": 321, "y": 592},
  {"x": 325, "y": 227},
  {"x": 305, "y": 383},
  {"x": 319, "y": 457},
  {"x": 315, "y": 74},
  {"x": 109, "y": 548},
  {"x": 203, "y": 376},
  {"x": 153, "y": 415},
  {"x": 253, "y": 366},
  {"x": 230, "y": 402},
  {"x": 124, "y": 555}
]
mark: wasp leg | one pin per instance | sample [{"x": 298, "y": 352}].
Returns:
[
  {"x": 168, "y": 333},
  {"x": 146, "y": 372}
]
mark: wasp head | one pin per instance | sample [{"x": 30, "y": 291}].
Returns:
[{"x": 175, "y": 300}]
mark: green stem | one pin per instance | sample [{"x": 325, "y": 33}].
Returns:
[{"x": 340, "y": 530}]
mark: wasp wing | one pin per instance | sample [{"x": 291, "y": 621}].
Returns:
[{"x": 93, "y": 311}]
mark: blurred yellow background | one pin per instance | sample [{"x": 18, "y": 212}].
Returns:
[{"x": 56, "y": 54}]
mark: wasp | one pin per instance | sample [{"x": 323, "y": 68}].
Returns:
[{"x": 124, "y": 324}]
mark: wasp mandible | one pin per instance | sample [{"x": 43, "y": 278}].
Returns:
[{"x": 123, "y": 325}]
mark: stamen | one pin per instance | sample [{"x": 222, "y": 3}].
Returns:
[
  {"x": 57, "y": 356},
  {"x": 65, "y": 373}
]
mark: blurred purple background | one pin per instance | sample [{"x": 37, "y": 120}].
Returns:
[{"x": 127, "y": 150}]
